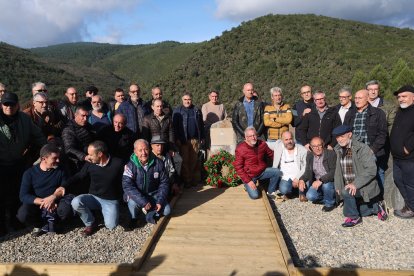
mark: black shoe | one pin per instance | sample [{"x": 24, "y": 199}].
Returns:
[
  {"x": 16, "y": 225},
  {"x": 328, "y": 208},
  {"x": 133, "y": 223},
  {"x": 37, "y": 232},
  {"x": 3, "y": 230},
  {"x": 88, "y": 231}
]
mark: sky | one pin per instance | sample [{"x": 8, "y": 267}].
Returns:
[{"x": 38, "y": 23}]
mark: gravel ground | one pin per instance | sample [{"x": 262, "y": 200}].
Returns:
[
  {"x": 104, "y": 246},
  {"x": 317, "y": 239}
]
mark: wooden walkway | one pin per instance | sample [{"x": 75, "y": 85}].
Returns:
[{"x": 219, "y": 232}]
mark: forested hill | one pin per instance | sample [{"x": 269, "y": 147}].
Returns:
[
  {"x": 291, "y": 50},
  {"x": 273, "y": 50}
]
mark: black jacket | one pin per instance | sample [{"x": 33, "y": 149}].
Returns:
[
  {"x": 120, "y": 144},
  {"x": 349, "y": 116},
  {"x": 76, "y": 140},
  {"x": 312, "y": 126},
  {"x": 402, "y": 134},
  {"x": 239, "y": 118},
  {"x": 377, "y": 130},
  {"x": 298, "y": 109},
  {"x": 328, "y": 162}
]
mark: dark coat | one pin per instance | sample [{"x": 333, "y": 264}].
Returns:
[
  {"x": 152, "y": 127},
  {"x": 377, "y": 130},
  {"x": 134, "y": 115},
  {"x": 402, "y": 134},
  {"x": 312, "y": 126},
  {"x": 297, "y": 111},
  {"x": 239, "y": 118},
  {"x": 120, "y": 144},
  {"x": 180, "y": 123},
  {"x": 76, "y": 140},
  {"x": 349, "y": 116},
  {"x": 328, "y": 162}
]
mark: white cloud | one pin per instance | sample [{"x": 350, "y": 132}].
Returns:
[
  {"x": 388, "y": 12},
  {"x": 30, "y": 23}
]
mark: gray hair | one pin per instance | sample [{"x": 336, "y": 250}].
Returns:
[
  {"x": 38, "y": 83},
  {"x": 318, "y": 92},
  {"x": 345, "y": 89},
  {"x": 371, "y": 82},
  {"x": 248, "y": 129},
  {"x": 99, "y": 146},
  {"x": 141, "y": 141},
  {"x": 40, "y": 95},
  {"x": 276, "y": 89}
]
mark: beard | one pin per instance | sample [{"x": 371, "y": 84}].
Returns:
[{"x": 404, "y": 105}]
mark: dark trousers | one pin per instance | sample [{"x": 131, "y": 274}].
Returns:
[
  {"x": 32, "y": 215},
  {"x": 403, "y": 172},
  {"x": 11, "y": 177},
  {"x": 355, "y": 206}
]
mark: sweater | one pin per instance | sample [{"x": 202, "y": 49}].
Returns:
[
  {"x": 105, "y": 181},
  {"x": 39, "y": 183}
]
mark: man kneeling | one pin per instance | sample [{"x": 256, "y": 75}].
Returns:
[
  {"x": 145, "y": 184},
  {"x": 42, "y": 195},
  {"x": 105, "y": 173},
  {"x": 320, "y": 171}
]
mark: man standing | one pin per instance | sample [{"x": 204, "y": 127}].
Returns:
[
  {"x": 252, "y": 156},
  {"x": 302, "y": 107},
  {"x": 189, "y": 134},
  {"x": 98, "y": 116},
  {"x": 119, "y": 97},
  {"x": 145, "y": 184},
  {"x": 355, "y": 178},
  {"x": 90, "y": 91},
  {"x": 105, "y": 173},
  {"x": 156, "y": 94},
  {"x": 373, "y": 88},
  {"x": 319, "y": 122},
  {"x": 320, "y": 171},
  {"x": 290, "y": 159},
  {"x": 42, "y": 194},
  {"x": 213, "y": 111},
  {"x": 2, "y": 90},
  {"x": 346, "y": 108},
  {"x": 278, "y": 116},
  {"x": 402, "y": 149},
  {"x": 133, "y": 109},
  {"x": 248, "y": 112},
  {"x": 119, "y": 139},
  {"x": 67, "y": 106},
  {"x": 17, "y": 133},
  {"x": 77, "y": 136},
  {"x": 370, "y": 128}
]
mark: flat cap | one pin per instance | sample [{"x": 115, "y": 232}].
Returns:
[
  {"x": 405, "y": 88},
  {"x": 9, "y": 97},
  {"x": 342, "y": 129},
  {"x": 156, "y": 139}
]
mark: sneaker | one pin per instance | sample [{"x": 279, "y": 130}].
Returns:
[
  {"x": 382, "y": 211},
  {"x": 37, "y": 232},
  {"x": 328, "y": 208},
  {"x": 271, "y": 195},
  {"x": 404, "y": 213},
  {"x": 349, "y": 222}
]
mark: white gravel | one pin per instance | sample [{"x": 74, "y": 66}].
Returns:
[{"x": 317, "y": 239}]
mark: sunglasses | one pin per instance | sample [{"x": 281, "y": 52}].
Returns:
[
  {"x": 9, "y": 104},
  {"x": 41, "y": 90}
]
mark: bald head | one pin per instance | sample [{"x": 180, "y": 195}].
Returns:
[
  {"x": 361, "y": 99},
  {"x": 248, "y": 90}
]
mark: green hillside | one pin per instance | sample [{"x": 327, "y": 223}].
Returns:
[
  {"x": 273, "y": 50},
  {"x": 289, "y": 51}
]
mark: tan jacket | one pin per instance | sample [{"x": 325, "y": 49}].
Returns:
[{"x": 277, "y": 121}]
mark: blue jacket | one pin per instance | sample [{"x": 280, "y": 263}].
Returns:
[
  {"x": 139, "y": 184},
  {"x": 180, "y": 123},
  {"x": 134, "y": 115}
]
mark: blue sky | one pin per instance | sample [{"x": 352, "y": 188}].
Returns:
[{"x": 34, "y": 23}]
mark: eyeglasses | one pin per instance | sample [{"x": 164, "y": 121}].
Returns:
[
  {"x": 343, "y": 97},
  {"x": 96, "y": 102},
  {"x": 320, "y": 99},
  {"x": 305, "y": 92},
  {"x": 134, "y": 91},
  {"x": 41, "y": 90},
  {"x": 42, "y": 102}
]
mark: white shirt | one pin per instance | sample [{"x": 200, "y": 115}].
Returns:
[
  {"x": 375, "y": 102},
  {"x": 343, "y": 110},
  {"x": 288, "y": 165}
]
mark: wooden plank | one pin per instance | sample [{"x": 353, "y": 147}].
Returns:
[
  {"x": 65, "y": 269},
  {"x": 319, "y": 271}
]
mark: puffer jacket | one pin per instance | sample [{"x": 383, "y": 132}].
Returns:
[
  {"x": 138, "y": 184},
  {"x": 239, "y": 119},
  {"x": 252, "y": 161},
  {"x": 76, "y": 140},
  {"x": 277, "y": 120},
  {"x": 152, "y": 127}
]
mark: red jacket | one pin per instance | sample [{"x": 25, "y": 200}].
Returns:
[{"x": 251, "y": 161}]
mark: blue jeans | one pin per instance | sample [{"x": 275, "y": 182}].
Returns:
[
  {"x": 403, "y": 172},
  {"x": 84, "y": 204},
  {"x": 286, "y": 187},
  {"x": 134, "y": 209},
  {"x": 354, "y": 206},
  {"x": 273, "y": 174},
  {"x": 325, "y": 192}
]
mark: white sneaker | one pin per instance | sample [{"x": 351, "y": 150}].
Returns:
[{"x": 272, "y": 195}]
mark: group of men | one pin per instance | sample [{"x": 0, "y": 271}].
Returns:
[
  {"x": 338, "y": 154},
  {"x": 89, "y": 154}
]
